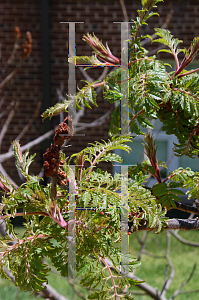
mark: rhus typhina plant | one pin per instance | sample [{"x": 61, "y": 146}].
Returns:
[{"x": 153, "y": 93}]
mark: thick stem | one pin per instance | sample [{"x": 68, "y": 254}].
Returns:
[
  {"x": 181, "y": 224},
  {"x": 176, "y": 60},
  {"x": 187, "y": 73}
]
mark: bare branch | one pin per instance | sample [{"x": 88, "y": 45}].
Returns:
[
  {"x": 9, "y": 274},
  {"x": 183, "y": 284},
  {"x": 26, "y": 128},
  {"x": 168, "y": 281},
  {"x": 148, "y": 289},
  {"x": 87, "y": 77},
  {"x": 138, "y": 293},
  {"x": 11, "y": 75},
  {"x": 182, "y": 240},
  {"x": 7, "y": 108},
  {"x": 80, "y": 295},
  {"x": 5, "y": 156},
  {"x": 4, "y": 173},
  {"x": 182, "y": 224},
  {"x": 51, "y": 294},
  {"x": 7, "y": 122},
  {"x": 105, "y": 71},
  {"x": 60, "y": 99},
  {"x": 126, "y": 18},
  {"x": 143, "y": 244},
  {"x": 152, "y": 52},
  {"x": 101, "y": 120},
  {"x": 16, "y": 47},
  {"x": 152, "y": 254},
  {"x": 3, "y": 98},
  {"x": 98, "y": 122}
]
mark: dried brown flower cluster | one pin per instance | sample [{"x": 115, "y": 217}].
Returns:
[
  {"x": 52, "y": 164},
  {"x": 64, "y": 132},
  {"x": 51, "y": 160}
]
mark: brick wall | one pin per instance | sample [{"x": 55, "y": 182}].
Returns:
[
  {"x": 26, "y": 89},
  {"x": 98, "y": 17}
]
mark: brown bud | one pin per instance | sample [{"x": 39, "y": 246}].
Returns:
[
  {"x": 29, "y": 37},
  {"x": 17, "y": 32}
]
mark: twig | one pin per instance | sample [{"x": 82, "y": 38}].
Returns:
[
  {"x": 51, "y": 294},
  {"x": 60, "y": 99},
  {"x": 7, "y": 109},
  {"x": 9, "y": 274},
  {"x": 95, "y": 123},
  {"x": 26, "y": 128},
  {"x": 38, "y": 140},
  {"x": 7, "y": 122},
  {"x": 4, "y": 173},
  {"x": 98, "y": 122},
  {"x": 143, "y": 244},
  {"x": 168, "y": 281},
  {"x": 10, "y": 76},
  {"x": 80, "y": 295},
  {"x": 189, "y": 292},
  {"x": 153, "y": 255},
  {"x": 152, "y": 52},
  {"x": 177, "y": 292},
  {"x": 12, "y": 56},
  {"x": 3, "y": 98},
  {"x": 126, "y": 18},
  {"x": 41, "y": 173},
  {"x": 182, "y": 240},
  {"x": 187, "y": 73},
  {"x": 98, "y": 84},
  {"x": 138, "y": 114},
  {"x": 138, "y": 293}
]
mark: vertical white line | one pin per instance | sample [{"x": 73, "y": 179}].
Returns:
[
  {"x": 71, "y": 72},
  {"x": 124, "y": 79},
  {"x": 72, "y": 225},
  {"x": 124, "y": 221},
  {"x": 71, "y": 78}
]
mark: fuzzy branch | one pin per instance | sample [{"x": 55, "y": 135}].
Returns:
[{"x": 181, "y": 224}]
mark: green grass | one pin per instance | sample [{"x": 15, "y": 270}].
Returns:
[{"x": 152, "y": 270}]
